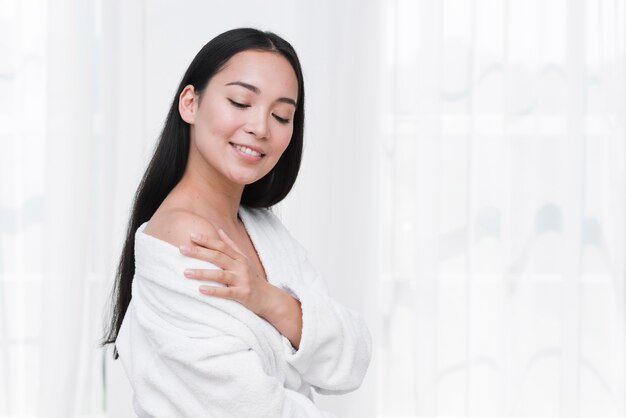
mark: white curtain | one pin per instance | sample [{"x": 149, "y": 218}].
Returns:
[
  {"x": 77, "y": 217},
  {"x": 504, "y": 190},
  {"x": 61, "y": 194},
  {"x": 22, "y": 132}
]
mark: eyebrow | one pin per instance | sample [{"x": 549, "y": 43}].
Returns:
[{"x": 256, "y": 90}]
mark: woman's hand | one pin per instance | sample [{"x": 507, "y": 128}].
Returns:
[{"x": 244, "y": 283}]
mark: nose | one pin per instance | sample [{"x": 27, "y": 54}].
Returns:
[{"x": 257, "y": 125}]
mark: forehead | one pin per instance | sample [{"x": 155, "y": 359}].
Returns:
[{"x": 269, "y": 71}]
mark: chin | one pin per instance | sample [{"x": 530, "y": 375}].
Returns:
[
  {"x": 246, "y": 175},
  {"x": 245, "y": 180}
]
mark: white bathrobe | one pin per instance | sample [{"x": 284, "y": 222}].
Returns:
[{"x": 187, "y": 354}]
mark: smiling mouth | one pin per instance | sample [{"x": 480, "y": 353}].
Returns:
[{"x": 247, "y": 150}]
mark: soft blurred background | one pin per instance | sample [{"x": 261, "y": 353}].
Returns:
[{"x": 463, "y": 186}]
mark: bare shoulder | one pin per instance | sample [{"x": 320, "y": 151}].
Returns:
[{"x": 175, "y": 226}]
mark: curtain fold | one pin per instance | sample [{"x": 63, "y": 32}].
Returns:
[{"x": 69, "y": 207}]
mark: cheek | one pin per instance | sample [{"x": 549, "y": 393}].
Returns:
[
  {"x": 221, "y": 121},
  {"x": 284, "y": 138}
]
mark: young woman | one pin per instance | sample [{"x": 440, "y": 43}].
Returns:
[{"x": 217, "y": 310}]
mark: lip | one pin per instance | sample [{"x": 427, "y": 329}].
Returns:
[
  {"x": 244, "y": 155},
  {"x": 249, "y": 146}
]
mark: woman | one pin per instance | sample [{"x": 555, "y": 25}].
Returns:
[{"x": 228, "y": 317}]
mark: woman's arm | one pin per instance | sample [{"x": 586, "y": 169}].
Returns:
[
  {"x": 187, "y": 355},
  {"x": 245, "y": 284},
  {"x": 286, "y": 316}
]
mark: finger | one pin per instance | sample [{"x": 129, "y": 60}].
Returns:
[
  {"x": 222, "y": 292},
  {"x": 214, "y": 244},
  {"x": 216, "y": 257},
  {"x": 220, "y": 276},
  {"x": 229, "y": 241}
]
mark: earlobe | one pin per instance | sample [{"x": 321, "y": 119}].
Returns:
[{"x": 187, "y": 104}]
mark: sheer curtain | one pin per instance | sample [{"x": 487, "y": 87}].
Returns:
[
  {"x": 61, "y": 192},
  {"x": 504, "y": 180}
]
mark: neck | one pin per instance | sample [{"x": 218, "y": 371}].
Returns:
[{"x": 209, "y": 194}]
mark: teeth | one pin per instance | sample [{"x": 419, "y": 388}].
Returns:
[{"x": 247, "y": 150}]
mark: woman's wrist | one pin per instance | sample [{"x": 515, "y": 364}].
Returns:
[{"x": 285, "y": 314}]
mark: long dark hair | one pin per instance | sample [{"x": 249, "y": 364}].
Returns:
[{"x": 168, "y": 163}]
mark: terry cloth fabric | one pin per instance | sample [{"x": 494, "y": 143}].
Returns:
[{"x": 187, "y": 354}]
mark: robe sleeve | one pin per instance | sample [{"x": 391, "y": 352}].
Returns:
[
  {"x": 336, "y": 346},
  {"x": 182, "y": 361},
  {"x": 221, "y": 383}
]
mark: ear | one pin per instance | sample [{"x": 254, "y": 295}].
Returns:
[{"x": 188, "y": 104}]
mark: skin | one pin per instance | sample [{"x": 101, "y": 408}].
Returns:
[{"x": 206, "y": 200}]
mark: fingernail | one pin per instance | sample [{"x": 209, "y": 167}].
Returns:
[
  {"x": 188, "y": 273},
  {"x": 184, "y": 249},
  {"x": 195, "y": 236}
]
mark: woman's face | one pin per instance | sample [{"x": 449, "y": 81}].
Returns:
[{"x": 244, "y": 120}]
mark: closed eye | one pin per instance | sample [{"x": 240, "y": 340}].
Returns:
[
  {"x": 239, "y": 105},
  {"x": 244, "y": 106},
  {"x": 281, "y": 120}
]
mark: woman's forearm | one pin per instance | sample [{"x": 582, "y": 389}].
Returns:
[{"x": 286, "y": 316}]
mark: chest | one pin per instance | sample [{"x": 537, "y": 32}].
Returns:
[{"x": 247, "y": 247}]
